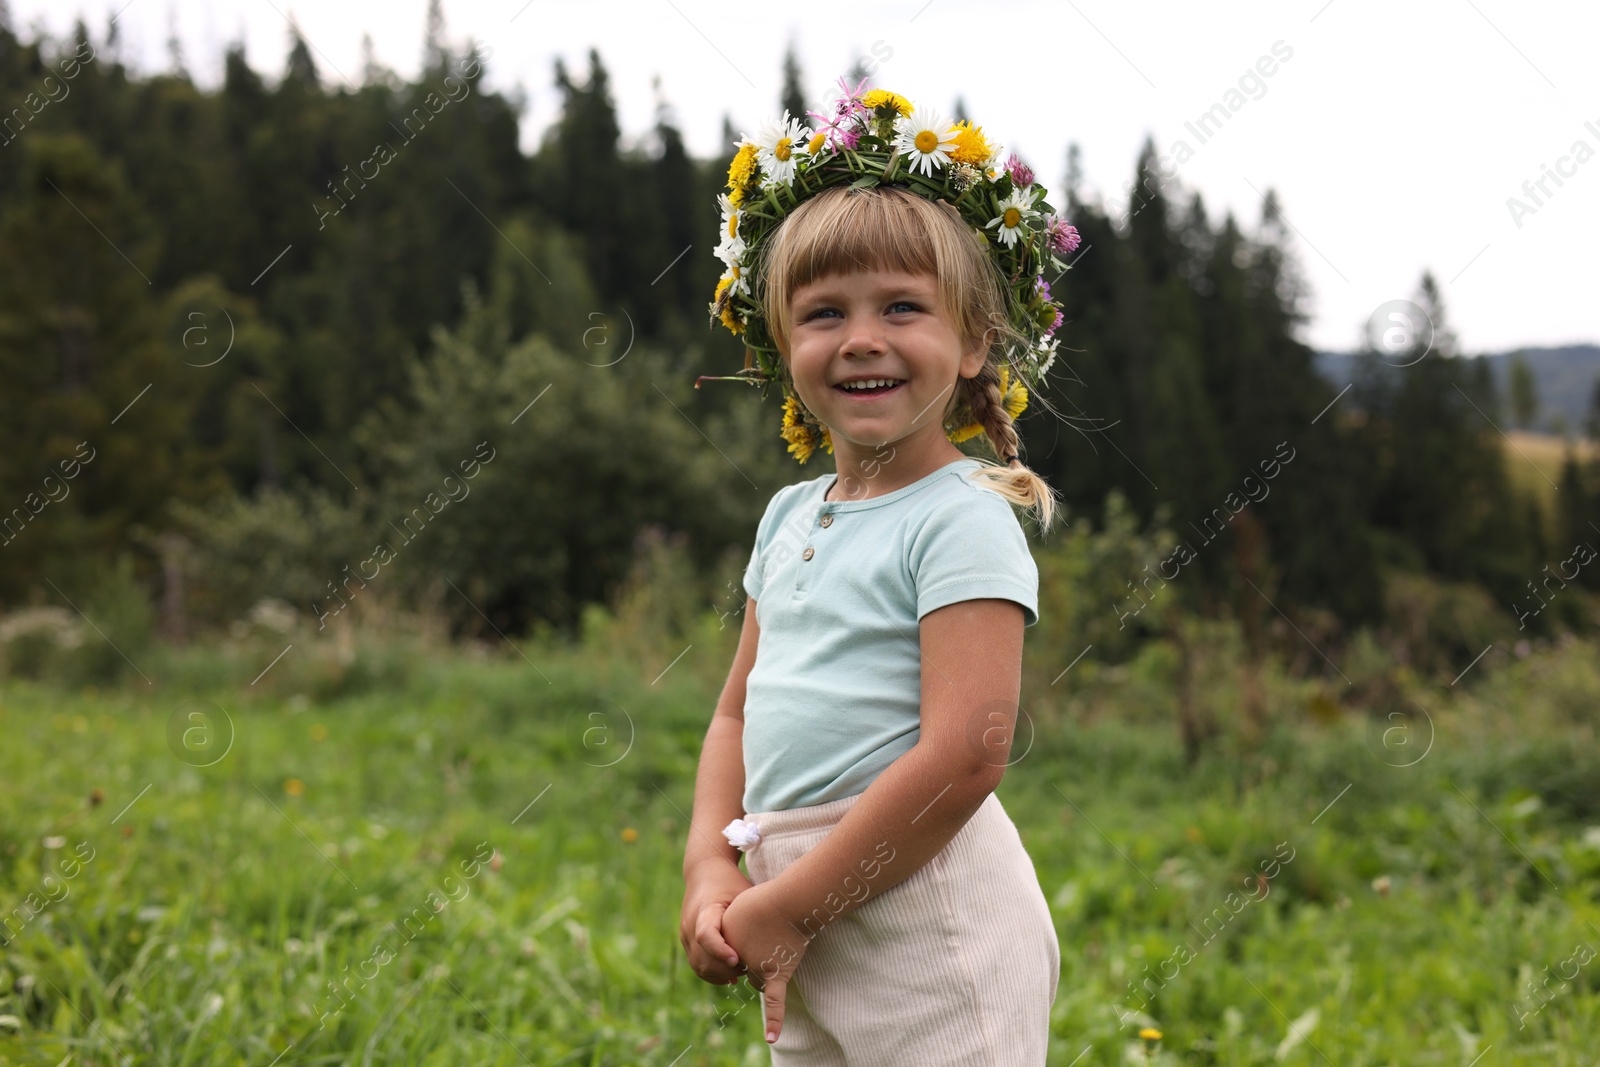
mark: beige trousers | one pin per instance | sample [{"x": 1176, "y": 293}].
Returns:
[{"x": 954, "y": 967}]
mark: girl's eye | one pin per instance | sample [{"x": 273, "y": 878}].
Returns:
[{"x": 894, "y": 308}]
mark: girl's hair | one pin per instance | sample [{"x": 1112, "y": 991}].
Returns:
[{"x": 847, "y": 229}]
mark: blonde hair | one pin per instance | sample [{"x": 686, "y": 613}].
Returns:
[{"x": 847, "y": 229}]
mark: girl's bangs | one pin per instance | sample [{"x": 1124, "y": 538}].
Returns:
[{"x": 859, "y": 232}]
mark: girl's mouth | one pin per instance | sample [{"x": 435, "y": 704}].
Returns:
[{"x": 869, "y": 393}]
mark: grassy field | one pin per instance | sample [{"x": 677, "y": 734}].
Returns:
[
  {"x": 484, "y": 852},
  {"x": 1533, "y": 461}
]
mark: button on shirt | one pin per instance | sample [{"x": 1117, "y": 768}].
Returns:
[{"x": 841, "y": 586}]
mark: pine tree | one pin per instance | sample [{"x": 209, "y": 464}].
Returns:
[
  {"x": 578, "y": 177},
  {"x": 1524, "y": 394},
  {"x": 793, "y": 98},
  {"x": 300, "y": 70},
  {"x": 435, "y": 49}
]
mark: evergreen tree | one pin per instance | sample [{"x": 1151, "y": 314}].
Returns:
[
  {"x": 1524, "y": 394},
  {"x": 578, "y": 178},
  {"x": 435, "y": 51},
  {"x": 85, "y": 376},
  {"x": 793, "y": 98},
  {"x": 1442, "y": 483},
  {"x": 301, "y": 70}
]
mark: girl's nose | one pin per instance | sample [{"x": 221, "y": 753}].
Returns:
[{"x": 863, "y": 338}]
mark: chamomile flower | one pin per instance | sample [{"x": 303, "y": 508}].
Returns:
[
  {"x": 732, "y": 247},
  {"x": 926, "y": 139},
  {"x": 735, "y": 279},
  {"x": 776, "y": 146},
  {"x": 731, "y": 250},
  {"x": 1046, "y": 349},
  {"x": 730, "y": 216},
  {"x": 1013, "y": 210}
]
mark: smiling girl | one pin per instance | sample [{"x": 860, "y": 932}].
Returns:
[{"x": 891, "y": 914}]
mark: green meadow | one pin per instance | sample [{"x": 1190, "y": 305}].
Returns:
[{"x": 383, "y": 851}]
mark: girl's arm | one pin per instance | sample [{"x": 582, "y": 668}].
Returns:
[
  {"x": 971, "y": 682},
  {"x": 711, "y": 872}
]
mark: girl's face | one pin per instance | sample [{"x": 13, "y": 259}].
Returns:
[{"x": 870, "y": 325}]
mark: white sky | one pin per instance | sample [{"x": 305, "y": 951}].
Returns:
[{"x": 1393, "y": 135}]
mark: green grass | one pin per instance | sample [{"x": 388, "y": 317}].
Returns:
[{"x": 1419, "y": 904}]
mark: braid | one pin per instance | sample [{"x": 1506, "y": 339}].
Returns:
[
  {"x": 989, "y": 411},
  {"x": 1011, "y": 478}
]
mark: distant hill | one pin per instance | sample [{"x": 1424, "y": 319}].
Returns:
[{"x": 1565, "y": 378}]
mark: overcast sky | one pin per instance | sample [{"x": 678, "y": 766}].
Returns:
[{"x": 1394, "y": 133}]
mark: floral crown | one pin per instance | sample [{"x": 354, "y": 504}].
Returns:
[{"x": 875, "y": 139}]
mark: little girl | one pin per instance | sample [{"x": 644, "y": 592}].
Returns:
[{"x": 891, "y": 914}]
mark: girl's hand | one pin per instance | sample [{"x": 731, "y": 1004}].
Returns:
[
  {"x": 770, "y": 946},
  {"x": 707, "y": 894}
]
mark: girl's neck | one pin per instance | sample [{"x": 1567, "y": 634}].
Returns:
[{"x": 863, "y": 472}]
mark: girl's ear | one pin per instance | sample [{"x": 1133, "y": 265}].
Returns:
[{"x": 972, "y": 360}]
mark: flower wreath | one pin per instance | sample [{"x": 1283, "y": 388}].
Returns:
[{"x": 875, "y": 139}]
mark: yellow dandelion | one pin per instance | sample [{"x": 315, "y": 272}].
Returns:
[
  {"x": 879, "y": 97},
  {"x": 971, "y": 147},
  {"x": 319, "y": 732},
  {"x": 966, "y": 432},
  {"x": 629, "y": 834},
  {"x": 795, "y": 431},
  {"x": 294, "y": 787},
  {"x": 731, "y": 321},
  {"x": 1014, "y": 395},
  {"x": 740, "y": 171},
  {"x": 1150, "y": 1033}
]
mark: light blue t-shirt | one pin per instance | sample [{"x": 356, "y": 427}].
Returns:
[{"x": 835, "y": 694}]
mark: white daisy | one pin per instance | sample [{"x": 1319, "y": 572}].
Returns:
[
  {"x": 777, "y": 145},
  {"x": 1013, "y": 210},
  {"x": 995, "y": 162},
  {"x": 741, "y": 284},
  {"x": 816, "y": 146},
  {"x": 731, "y": 216},
  {"x": 994, "y": 168},
  {"x": 1047, "y": 348},
  {"x": 926, "y": 139},
  {"x": 731, "y": 250}
]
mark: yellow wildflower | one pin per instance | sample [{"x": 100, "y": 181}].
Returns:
[
  {"x": 801, "y": 437},
  {"x": 294, "y": 787},
  {"x": 1014, "y": 395},
  {"x": 972, "y": 429},
  {"x": 1150, "y": 1033},
  {"x": 795, "y": 431},
  {"x": 630, "y": 835},
  {"x": 971, "y": 147},
  {"x": 740, "y": 172},
  {"x": 815, "y": 144},
  {"x": 730, "y": 320},
  {"x": 879, "y": 97}
]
